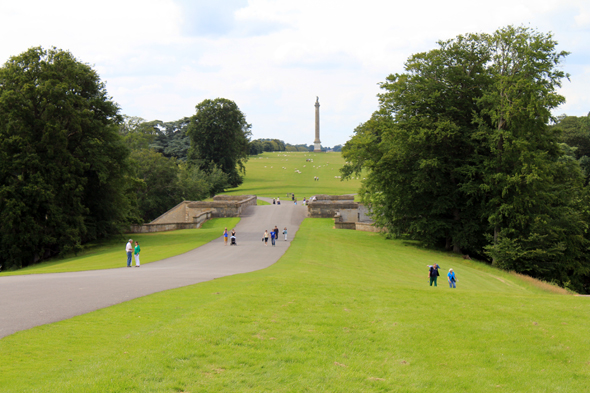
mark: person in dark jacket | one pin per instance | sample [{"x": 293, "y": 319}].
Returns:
[{"x": 433, "y": 273}]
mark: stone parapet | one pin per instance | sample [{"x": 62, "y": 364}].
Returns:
[
  {"x": 224, "y": 205},
  {"x": 328, "y": 209},
  {"x": 368, "y": 227},
  {"x": 171, "y": 226},
  {"x": 344, "y": 225}
]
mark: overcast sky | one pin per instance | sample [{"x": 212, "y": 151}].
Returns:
[{"x": 159, "y": 58}]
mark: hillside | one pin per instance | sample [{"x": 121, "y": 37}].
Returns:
[{"x": 341, "y": 311}]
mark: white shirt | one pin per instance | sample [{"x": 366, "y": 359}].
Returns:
[{"x": 129, "y": 247}]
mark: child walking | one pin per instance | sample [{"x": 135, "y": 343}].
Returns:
[{"x": 285, "y": 233}]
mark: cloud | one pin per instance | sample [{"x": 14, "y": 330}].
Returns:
[{"x": 162, "y": 57}]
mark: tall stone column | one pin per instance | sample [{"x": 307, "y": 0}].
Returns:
[{"x": 317, "y": 145}]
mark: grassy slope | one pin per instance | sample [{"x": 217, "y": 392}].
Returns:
[
  {"x": 154, "y": 247},
  {"x": 341, "y": 311},
  {"x": 262, "y": 180}
]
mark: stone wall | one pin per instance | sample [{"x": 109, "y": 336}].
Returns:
[
  {"x": 163, "y": 227},
  {"x": 344, "y": 225},
  {"x": 192, "y": 214},
  {"x": 224, "y": 205},
  {"x": 368, "y": 227},
  {"x": 326, "y": 206}
]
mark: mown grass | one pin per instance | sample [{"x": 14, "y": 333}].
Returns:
[
  {"x": 111, "y": 254},
  {"x": 266, "y": 177},
  {"x": 342, "y": 311}
]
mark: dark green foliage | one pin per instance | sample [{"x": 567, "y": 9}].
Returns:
[
  {"x": 219, "y": 137},
  {"x": 460, "y": 155},
  {"x": 172, "y": 140},
  {"x": 62, "y": 165}
]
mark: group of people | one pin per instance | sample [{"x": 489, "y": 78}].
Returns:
[
  {"x": 433, "y": 275},
  {"x": 316, "y": 178},
  {"x": 131, "y": 251},
  {"x": 276, "y": 201},
  {"x": 274, "y": 235},
  {"x": 232, "y": 237}
]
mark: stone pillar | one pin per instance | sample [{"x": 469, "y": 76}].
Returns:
[{"x": 317, "y": 145}]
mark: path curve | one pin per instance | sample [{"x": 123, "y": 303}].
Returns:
[{"x": 32, "y": 300}]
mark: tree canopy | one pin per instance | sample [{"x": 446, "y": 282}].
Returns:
[
  {"x": 460, "y": 155},
  {"x": 220, "y": 138},
  {"x": 63, "y": 168}
]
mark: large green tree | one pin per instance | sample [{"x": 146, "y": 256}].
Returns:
[
  {"x": 460, "y": 154},
  {"x": 220, "y": 138},
  {"x": 62, "y": 162}
]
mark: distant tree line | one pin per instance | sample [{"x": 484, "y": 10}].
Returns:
[
  {"x": 462, "y": 154},
  {"x": 259, "y": 146}
]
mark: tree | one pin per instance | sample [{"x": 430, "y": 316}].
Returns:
[
  {"x": 63, "y": 166},
  {"x": 459, "y": 154},
  {"x": 219, "y": 137}
]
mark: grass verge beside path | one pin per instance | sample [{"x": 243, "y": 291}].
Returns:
[
  {"x": 154, "y": 247},
  {"x": 266, "y": 177},
  {"x": 342, "y": 311}
]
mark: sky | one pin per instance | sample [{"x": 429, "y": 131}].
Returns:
[{"x": 160, "y": 58}]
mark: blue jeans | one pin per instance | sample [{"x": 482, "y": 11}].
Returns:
[
  {"x": 272, "y": 239},
  {"x": 452, "y": 284},
  {"x": 129, "y": 256}
]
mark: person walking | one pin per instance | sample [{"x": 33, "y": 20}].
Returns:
[
  {"x": 433, "y": 273},
  {"x": 225, "y": 235},
  {"x": 265, "y": 237},
  {"x": 129, "y": 250},
  {"x": 285, "y": 233},
  {"x": 136, "y": 253},
  {"x": 452, "y": 279},
  {"x": 272, "y": 238},
  {"x": 276, "y": 230},
  {"x": 278, "y": 201}
]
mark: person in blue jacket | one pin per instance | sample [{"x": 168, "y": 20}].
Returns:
[{"x": 452, "y": 279}]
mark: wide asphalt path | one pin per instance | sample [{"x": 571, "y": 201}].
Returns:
[{"x": 32, "y": 300}]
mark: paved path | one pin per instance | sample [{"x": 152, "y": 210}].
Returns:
[{"x": 37, "y": 299}]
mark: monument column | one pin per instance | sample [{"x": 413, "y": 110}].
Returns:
[{"x": 317, "y": 147}]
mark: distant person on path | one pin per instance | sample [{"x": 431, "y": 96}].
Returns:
[
  {"x": 452, "y": 279},
  {"x": 433, "y": 273},
  {"x": 285, "y": 233},
  {"x": 136, "y": 252},
  {"x": 272, "y": 237},
  {"x": 225, "y": 235},
  {"x": 276, "y": 230},
  {"x": 274, "y": 201},
  {"x": 265, "y": 237},
  {"x": 129, "y": 250},
  {"x": 278, "y": 201},
  {"x": 233, "y": 232},
  {"x": 293, "y": 197}
]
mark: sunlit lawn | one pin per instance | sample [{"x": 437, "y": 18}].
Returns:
[
  {"x": 154, "y": 247},
  {"x": 342, "y": 311},
  {"x": 265, "y": 175}
]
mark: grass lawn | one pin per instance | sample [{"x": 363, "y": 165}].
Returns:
[
  {"x": 266, "y": 177},
  {"x": 154, "y": 247},
  {"x": 342, "y": 311}
]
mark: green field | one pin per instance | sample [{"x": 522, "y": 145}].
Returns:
[
  {"x": 357, "y": 316},
  {"x": 154, "y": 247},
  {"x": 273, "y": 175}
]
